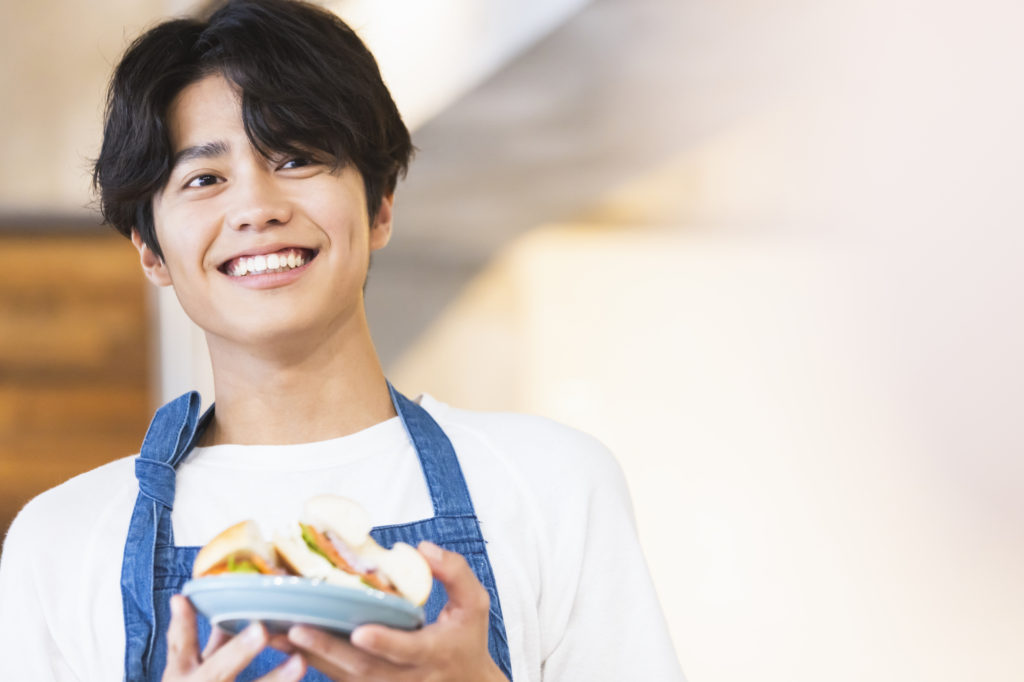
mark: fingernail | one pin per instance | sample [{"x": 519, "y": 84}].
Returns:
[
  {"x": 362, "y": 638},
  {"x": 294, "y": 665},
  {"x": 175, "y": 605},
  {"x": 300, "y": 636},
  {"x": 430, "y": 550},
  {"x": 254, "y": 633}
]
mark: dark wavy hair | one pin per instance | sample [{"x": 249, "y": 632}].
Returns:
[{"x": 306, "y": 80}]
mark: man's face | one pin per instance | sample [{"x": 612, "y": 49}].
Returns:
[{"x": 257, "y": 249}]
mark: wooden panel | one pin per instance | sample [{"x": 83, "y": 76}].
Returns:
[{"x": 74, "y": 359}]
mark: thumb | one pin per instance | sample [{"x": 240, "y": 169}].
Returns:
[{"x": 453, "y": 571}]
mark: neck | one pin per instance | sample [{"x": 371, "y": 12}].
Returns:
[{"x": 281, "y": 395}]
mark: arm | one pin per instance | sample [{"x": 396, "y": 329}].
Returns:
[
  {"x": 28, "y": 650},
  {"x": 599, "y": 603}
]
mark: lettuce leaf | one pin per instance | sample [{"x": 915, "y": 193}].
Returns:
[
  {"x": 307, "y": 535},
  {"x": 241, "y": 565}
]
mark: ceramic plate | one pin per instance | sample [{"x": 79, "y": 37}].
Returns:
[{"x": 232, "y": 601}]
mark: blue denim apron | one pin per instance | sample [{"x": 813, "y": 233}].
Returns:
[{"x": 154, "y": 569}]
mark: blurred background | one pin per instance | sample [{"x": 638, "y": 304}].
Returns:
[{"x": 769, "y": 252}]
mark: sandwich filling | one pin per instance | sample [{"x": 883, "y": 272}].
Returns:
[
  {"x": 341, "y": 556},
  {"x": 243, "y": 561}
]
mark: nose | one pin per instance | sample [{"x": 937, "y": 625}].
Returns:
[{"x": 258, "y": 203}]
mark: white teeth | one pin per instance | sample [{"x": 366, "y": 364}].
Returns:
[{"x": 274, "y": 262}]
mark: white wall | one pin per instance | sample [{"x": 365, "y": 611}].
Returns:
[
  {"x": 55, "y": 61},
  {"x": 802, "y": 337},
  {"x": 432, "y": 52}
]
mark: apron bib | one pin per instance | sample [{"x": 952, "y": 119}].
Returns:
[{"x": 154, "y": 568}]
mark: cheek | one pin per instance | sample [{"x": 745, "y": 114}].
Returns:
[
  {"x": 183, "y": 243},
  {"x": 341, "y": 204},
  {"x": 345, "y": 225}
]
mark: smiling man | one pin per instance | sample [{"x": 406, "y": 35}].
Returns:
[
  {"x": 290, "y": 337},
  {"x": 252, "y": 159}
]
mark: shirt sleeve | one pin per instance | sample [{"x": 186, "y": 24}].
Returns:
[
  {"x": 601, "y": 588},
  {"x": 28, "y": 650}
]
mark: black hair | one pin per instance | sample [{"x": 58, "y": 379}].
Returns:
[{"x": 306, "y": 80}]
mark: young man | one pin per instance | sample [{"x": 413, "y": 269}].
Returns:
[{"x": 252, "y": 160}]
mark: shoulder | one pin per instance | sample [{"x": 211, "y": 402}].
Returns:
[
  {"x": 95, "y": 488},
  {"x": 60, "y": 575},
  {"x": 86, "y": 518},
  {"x": 529, "y": 466},
  {"x": 72, "y": 513},
  {"x": 526, "y": 443}
]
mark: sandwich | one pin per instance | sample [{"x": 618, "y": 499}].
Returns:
[
  {"x": 331, "y": 542},
  {"x": 239, "y": 549}
]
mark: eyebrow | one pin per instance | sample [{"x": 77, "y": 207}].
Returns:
[{"x": 200, "y": 151}]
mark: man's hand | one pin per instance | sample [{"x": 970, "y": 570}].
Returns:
[
  {"x": 453, "y": 649},
  {"x": 224, "y": 656}
]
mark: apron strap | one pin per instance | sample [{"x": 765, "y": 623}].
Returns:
[
  {"x": 156, "y": 481},
  {"x": 173, "y": 429},
  {"x": 447, "y": 485},
  {"x": 171, "y": 435}
]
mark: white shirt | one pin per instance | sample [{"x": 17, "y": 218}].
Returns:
[{"x": 575, "y": 593}]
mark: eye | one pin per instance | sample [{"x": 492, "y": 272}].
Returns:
[
  {"x": 203, "y": 180},
  {"x": 296, "y": 163}
]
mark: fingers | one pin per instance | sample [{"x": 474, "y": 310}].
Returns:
[
  {"x": 462, "y": 623},
  {"x": 224, "y": 656},
  {"x": 463, "y": 588},
  {"x": 281, "y": 643},
  {"x": 456, "y": 643},
  {"x": 231, "y": 658},
  {"x": 218, "y": 636},
  {"x": 182, "y": 638},
  {"x": 337, "y": 657},
  {"x": 395, "y": 646}
]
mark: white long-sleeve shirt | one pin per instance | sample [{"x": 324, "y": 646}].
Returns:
[{"x": 574, "y": 589}]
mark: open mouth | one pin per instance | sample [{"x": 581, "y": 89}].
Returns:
[{"x": 268, "y": 263}]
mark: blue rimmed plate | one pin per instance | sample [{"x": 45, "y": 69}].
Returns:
[{"x": 232, "y": 601}]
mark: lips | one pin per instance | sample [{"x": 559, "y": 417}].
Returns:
[{"x": 282, "y": 260}]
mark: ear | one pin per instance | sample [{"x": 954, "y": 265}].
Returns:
[
  {"x": 380, "y": 231},
  {"x": 152, "y": 265}
]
